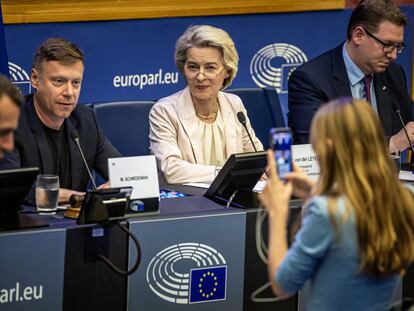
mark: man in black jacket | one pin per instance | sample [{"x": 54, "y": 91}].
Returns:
[
  {"x": 363, "y": 68},
  {"x": 51, "y": 119},
  {"x": 10, "y": 102}
]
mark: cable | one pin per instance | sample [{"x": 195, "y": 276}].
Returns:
[
  {"x": 261, "y": 247},
  {"x": 231, "y": 198},
  {"x": 254, "y": 298},
  {"x": 138, "y": 260},
  {"x": 262, "y": 251}
]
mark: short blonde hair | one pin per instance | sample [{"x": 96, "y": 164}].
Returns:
[{"x": 202, "y": 36}]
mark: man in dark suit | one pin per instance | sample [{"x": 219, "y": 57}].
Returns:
[
  {"x": 10, "y": 102},
  {"x": 363, "y": 67},
  {"x": 51, "y": 119}
]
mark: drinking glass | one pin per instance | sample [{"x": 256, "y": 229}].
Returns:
[
  {"x": 47, "y": 194},
  {"x": 396, "y": 157}
]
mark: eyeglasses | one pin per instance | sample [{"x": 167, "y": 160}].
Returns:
[
  {"x": 388, "y": 47},
  {"x": 7, "y": 131},
  {"x": 210, "y": 72}
]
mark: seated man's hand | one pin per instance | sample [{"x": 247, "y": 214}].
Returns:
[
  {"x": 399, "y": 141},
  {"x": 105, "y": 186},
  {"x": 64, "y": 194}
]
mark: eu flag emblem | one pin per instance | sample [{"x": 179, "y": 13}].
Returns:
[{"x": 208, "y": 284}]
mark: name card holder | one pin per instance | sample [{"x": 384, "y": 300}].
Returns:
[
  {"x": 305, "y": 157},
  {"x": 141, "y": 174}
]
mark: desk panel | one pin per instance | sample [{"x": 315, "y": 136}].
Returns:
[
  {"x": 31, "y": 269},
  {"x": 196, "y": 263},
  {"x": 89, "y": 283}
]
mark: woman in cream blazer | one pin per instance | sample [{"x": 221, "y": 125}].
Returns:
[
  {"x": 176, "y": 142},
  {"x": 195, "y": 130}
]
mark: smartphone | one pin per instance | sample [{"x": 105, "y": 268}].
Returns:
[{"x": 281, "y": 142}]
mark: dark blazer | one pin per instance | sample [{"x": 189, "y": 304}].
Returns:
[
  {"x": 32, "y": 149},
  {"x": 324, "y": 78}
]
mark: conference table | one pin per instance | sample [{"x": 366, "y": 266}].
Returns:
[{"x": 195, "y": 254}]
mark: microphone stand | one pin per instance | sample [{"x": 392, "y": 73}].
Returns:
[
  {"x": 91, "y": 245},
  {"x": 76, "y": 139},
  {"x": 397, "y": 110},
  {"x": 242, "y": 119}
]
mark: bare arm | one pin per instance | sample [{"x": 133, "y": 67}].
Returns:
[{"x": 275, "y": 198}]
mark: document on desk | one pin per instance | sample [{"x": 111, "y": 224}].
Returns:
[
  {"x": 258, "y": 188},
  {"x": 406, "y": 175},
  {"x": 63, "y": 207},
  {"x": 198, "y": 185},
  {"x": 261, "y": 184}
]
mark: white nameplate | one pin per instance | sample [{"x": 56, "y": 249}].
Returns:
[
  {"x": 140, "y": 173},
  {"x": 305, "y": 158}
]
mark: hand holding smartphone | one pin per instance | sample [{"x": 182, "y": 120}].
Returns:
[{"x": 281, "y": 142}]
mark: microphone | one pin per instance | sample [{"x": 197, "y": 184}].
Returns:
[
  {"x": 242, "y": 120},
  {"x": 397, "y": 110},
  {"x": 75, "y": 136}
]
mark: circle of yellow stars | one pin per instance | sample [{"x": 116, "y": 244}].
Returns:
[{"x": 210, "y": 293}]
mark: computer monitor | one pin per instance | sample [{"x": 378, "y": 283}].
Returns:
[
  {"x": 234, "y": 183},
  {"x": 14, "y": 186}
]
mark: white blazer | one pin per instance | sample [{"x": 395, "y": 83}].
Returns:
[{"x": 176, "y": 141}]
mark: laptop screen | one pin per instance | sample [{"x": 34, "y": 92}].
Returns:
[{"x": 14, "y": 186}]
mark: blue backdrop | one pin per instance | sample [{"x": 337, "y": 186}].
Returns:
[
  {"x": 133, "y": 60},
  {"x": 4, "y": 70}
]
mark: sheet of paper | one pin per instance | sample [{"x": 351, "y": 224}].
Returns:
[
  {"x": 260, "y": 186},
  {"x": 63, "y": 207},
  {"x": 406, "y": 175},
  {"x": 198, "y": 185}
]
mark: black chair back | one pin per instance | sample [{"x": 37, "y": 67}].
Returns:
[{"x": 263, "y": 108}]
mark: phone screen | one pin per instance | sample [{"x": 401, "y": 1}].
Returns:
[{"x": 281, "y": 142}]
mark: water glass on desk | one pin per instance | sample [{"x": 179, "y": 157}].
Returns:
[
  {"x": 396, "y": 157},
  {"x": 47, "y": 194}
]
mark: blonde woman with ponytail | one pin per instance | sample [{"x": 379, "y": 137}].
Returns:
[{"x": 357, "y": 235}]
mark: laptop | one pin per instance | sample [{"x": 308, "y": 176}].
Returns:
[{"x": 14, "y": 186}]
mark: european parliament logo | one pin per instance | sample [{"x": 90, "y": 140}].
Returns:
[
  {"x": 20, "y": 78},
  {"x": 188, "y": 273},
  {"x": 272, "y": 65}
]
